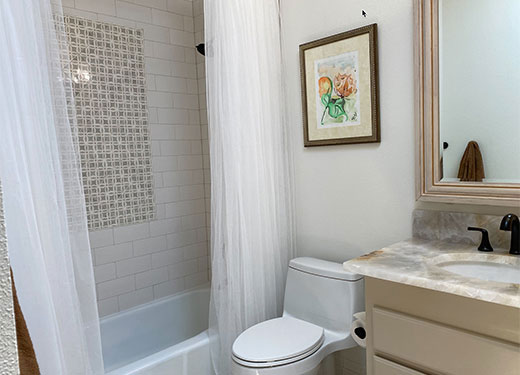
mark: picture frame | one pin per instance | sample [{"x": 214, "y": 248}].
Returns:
[{"x": 339, "y": 83}]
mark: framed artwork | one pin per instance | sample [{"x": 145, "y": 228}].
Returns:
[{"x": 339, "y": 82}]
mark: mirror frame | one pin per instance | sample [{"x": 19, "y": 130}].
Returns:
[{"x": 429, "y": 186}]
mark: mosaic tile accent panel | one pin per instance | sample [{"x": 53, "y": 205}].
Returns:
[{"x": 108, "y": 75}]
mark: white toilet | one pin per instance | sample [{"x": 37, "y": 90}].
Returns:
[{"x": 320, "y": 299}]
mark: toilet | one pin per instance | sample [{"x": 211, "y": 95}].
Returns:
[{"x": 320, "y": 300}]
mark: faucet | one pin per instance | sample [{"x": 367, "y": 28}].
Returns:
[
  {"x": 511, "y": 224},
  {"x": 485, "y": 245}
]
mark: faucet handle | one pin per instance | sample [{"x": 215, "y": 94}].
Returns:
[{"x": 485, "y": 245}]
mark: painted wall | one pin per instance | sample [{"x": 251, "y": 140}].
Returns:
[
  {"x": 138, "y": 263},
  {"x": 480, "y": 84},
  {"x": 351, "y": 199}
]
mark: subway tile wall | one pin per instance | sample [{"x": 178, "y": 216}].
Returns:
[
  {"x": 198, "y": 13},
  {"x": 139, "y": 263}
]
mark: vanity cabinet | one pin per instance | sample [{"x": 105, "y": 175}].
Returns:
[{"x": 414, "y": 331}]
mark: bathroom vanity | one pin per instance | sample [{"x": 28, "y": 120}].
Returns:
[{"x": 428, "y": 312}]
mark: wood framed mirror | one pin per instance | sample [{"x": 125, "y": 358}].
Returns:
[{"x": 466, "y": 84}]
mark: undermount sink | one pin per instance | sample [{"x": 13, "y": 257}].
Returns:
[{"x": 498, "y": 268}]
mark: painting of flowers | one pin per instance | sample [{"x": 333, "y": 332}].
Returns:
[
  {"x": 338, "y": 93},
  {"x": 340, "y": 88}
]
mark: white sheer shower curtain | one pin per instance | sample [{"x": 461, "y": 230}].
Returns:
[
  {"x": 43, "y": 195},
  {"x": 251, "y": 190}
]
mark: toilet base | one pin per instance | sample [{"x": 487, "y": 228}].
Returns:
[{"x": 279, "y": 370}]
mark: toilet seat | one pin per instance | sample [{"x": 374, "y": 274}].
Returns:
[{"x": 277, "y": 342}]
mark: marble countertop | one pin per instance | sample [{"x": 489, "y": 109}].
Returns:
[{"x": 412, "y": 262}]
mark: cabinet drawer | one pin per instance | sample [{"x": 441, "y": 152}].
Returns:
[
  {"x": 439, "y": 348},
  {"x": 384, "y": 367}
]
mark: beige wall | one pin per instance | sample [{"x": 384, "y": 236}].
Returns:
[{"x": 351, "y": 199}]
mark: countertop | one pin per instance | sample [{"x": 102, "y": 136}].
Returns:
[{"x": 412, "y": 262}]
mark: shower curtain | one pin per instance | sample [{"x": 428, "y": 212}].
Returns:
[
  {"x": 251, "y": 192},
  {"x": 44, "y": 205}
]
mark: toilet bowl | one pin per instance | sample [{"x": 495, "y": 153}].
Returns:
[{"x": 320, "y": 301}]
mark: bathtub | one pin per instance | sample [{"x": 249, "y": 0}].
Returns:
[{"x": 164, "y": 337}]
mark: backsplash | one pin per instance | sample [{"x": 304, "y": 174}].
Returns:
[{"x": 452, "y": 227}]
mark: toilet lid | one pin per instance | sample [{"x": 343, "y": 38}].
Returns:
[{"x": 277, "y": 340}]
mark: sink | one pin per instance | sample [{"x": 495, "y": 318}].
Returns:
[
  {"x": 502, "y": 273},
  {"x": 498, "y": 268}
]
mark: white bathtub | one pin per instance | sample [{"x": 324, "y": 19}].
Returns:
[{"x": 164, "y": 337}]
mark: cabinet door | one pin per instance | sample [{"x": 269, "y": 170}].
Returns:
[
  {"x": 442, "y": 349},
  {"x": 384, "y": 367}
]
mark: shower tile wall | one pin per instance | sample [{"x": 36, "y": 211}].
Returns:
[
  {"x": 198, "y": 13},
  {"x": 113, "y": 135},
  {"x": 138, "y": 263}
]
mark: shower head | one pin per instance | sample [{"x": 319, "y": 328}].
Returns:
[{"x": 201, "y": 49}]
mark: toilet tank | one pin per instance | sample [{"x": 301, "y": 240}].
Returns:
[{"x": 323, "y": 293}]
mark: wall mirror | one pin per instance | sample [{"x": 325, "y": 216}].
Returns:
[{"x": 468, "y": 101}]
